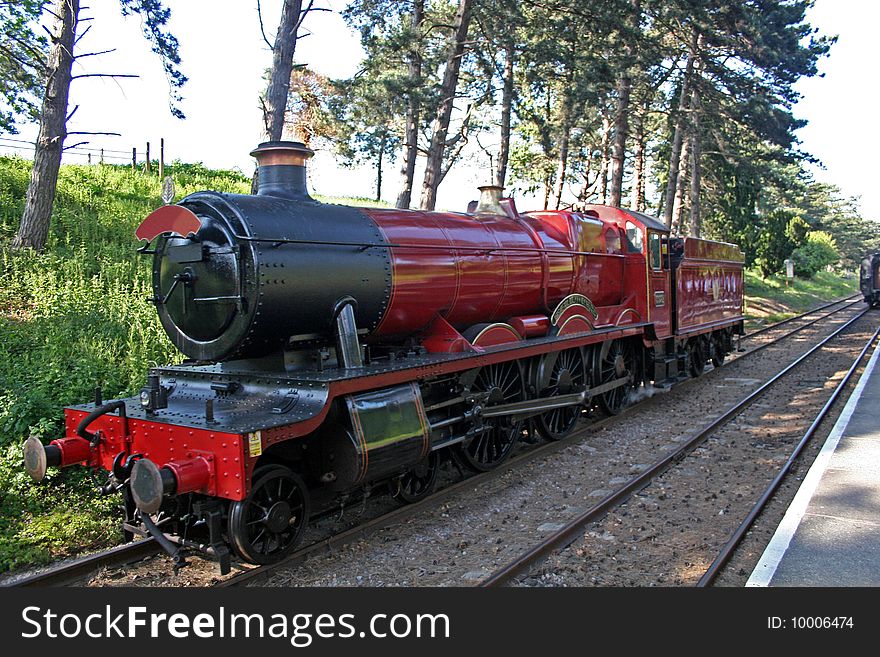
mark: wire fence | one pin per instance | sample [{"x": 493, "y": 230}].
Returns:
[{"x": 83, "y": 154}]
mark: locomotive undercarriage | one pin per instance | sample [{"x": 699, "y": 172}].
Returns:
[{"x": 474, "y": 417}]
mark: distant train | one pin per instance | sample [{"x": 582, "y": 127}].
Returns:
[
  {"x": 869, "y": 280},
  {"x": 336, "y": 349}
]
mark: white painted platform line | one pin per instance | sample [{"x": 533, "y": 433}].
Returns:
[{"x": 766, "y": 567}]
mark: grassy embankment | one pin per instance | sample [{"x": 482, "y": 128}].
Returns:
[
  {"x": 772, "y": 300},
  {"x": 76, "y": 316}
]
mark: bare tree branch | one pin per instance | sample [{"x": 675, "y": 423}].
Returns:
[
  {"x": 84, "y": 32},
  {"x": 93, "y": 54},
  {"x": 79, "y": 143},
  {"x": 262, "y": 29},
  {"x": 104, "y": 75},
  {"x": 305, "y": 12}
]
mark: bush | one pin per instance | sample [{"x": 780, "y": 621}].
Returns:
[{"x": 815, "y": 254}]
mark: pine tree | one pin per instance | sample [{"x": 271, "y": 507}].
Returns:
[{"x": 40, "y": 198}]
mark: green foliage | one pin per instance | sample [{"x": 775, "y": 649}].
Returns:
[
  {"x": 62, "y": 516},
  {"x": 797, "y": 231},
  {"x": 818, "y": 252},
  {"x": 154, "y": 24},
  {"x": 773, "y": 245},
  {"x": 73, "y": 317},
  {"x": 22, "y": 62}
]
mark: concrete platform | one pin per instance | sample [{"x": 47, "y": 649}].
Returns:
[{"x": 830, "y": 535}]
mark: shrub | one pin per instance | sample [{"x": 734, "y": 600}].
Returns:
[{"x": 815, "y": 254}]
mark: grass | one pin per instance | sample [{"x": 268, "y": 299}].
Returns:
[
  {"x": 772, "y": 299},
  {"x": 76, "y": 316},
  {"x": 71, "y": 318}
]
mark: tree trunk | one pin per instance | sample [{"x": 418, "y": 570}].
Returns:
[
  {"x": 282, "y": 66},
  {"x": 680, "y": 188},
  {"x": 34, "y": 229},
  {"x": 413, "y": 113},
  {"x": 562, "y": 171},
  {"x": 606, "y": 144},
  {"x": 440, "y": 127},
  {"x": 637, "y": 198},
  {"x": 696, "y": 152},
  {"x": 379, "y": 169},
  {"x": 621, "y": 120},
  {"x": 562, "y": 168},
  {"x": 678, "y": 136},
  {"x": 618, "y": 148},
  {"x": 506, "y": 111}
]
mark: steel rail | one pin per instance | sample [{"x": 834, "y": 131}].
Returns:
[
  {"x": 736, "y": 538},
  {"x": 802, "y": 315},
  {"x": 78, "y": 569},
  {"x": 572, "y": 529},
  {"x": 800, "y": 328}
]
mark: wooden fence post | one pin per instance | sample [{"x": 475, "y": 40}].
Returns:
[
  {"x": 162, "y": 158},
  {"x": 134, "y": 156},
  {"x": 147, "y": 165}
]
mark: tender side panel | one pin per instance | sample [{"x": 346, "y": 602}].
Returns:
[{"x": 707, "y": 293}]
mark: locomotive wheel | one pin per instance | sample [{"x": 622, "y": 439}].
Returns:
[
  {"x": 615, "y": 360},
  {"x": 717, "y": 351},
  {"x": 489, "y": 448},
  {"x": 417, "y": 483},
  {"x": 267, "y": 525},
  {"x": 699, "y": 354},
  {"x": 567, "y": 374}
]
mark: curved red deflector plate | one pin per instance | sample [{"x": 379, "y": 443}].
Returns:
[{"x": 168, "y": 219}]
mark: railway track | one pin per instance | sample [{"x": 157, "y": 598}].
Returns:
[
  {"x": 79, "y": 570},
  {"x": 338, "y": 540},
  {"x": 572, "y": 530},
  {"x": 727, "y": 550}
]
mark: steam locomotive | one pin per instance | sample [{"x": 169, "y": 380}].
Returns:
[
  {"x": 332, "y": 350},
  {"x": 869, "y": 280}
]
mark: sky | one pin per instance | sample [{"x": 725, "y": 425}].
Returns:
[{"x": 224, "y": 56}]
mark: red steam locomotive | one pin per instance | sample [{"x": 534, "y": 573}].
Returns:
[{"x": 334, "y": 349}]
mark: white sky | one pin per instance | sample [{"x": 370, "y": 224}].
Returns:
[{"x": 224, "y": 57}]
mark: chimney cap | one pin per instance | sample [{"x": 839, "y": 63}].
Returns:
[{"x": 271, "y": 153}]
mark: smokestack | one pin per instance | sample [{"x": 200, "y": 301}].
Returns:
[
  {"x": 490, "y": 200},
  {"x": 282, "y": 169}
]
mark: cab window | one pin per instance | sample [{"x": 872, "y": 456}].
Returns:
[
  {"x": 633, "y": 238},
  {"x": 655, "y": 251},
  {"x": 612, "y": 240}
]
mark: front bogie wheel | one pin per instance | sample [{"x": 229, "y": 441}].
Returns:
[
  {"x": 268, "y": 524},
  {"x": 418, "y": 482}
]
